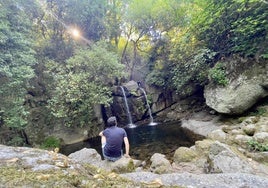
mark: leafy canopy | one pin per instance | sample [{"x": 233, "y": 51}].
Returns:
[{"x": 83, "y": 82}]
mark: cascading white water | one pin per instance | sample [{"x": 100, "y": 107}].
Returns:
[
  {"x": 149, "y": 108},
  {"x": 131, "y": 125}
]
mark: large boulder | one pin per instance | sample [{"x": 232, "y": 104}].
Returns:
[
  {"x": 123, "y": 165},
  {"x": 86, "y": 155},
  {"x": 160, "y": 164},
  {"x": 222, "y": 159},
  {"x": 247, "y": 85},
  {"x": 91, "y": 156}
]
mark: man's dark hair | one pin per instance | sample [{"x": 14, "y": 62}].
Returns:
[{"x": 111, "y": 121}]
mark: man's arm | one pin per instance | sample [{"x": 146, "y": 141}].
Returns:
[
  {"x": 126, "y": 142},
  {"x": 103, "y": 138}
]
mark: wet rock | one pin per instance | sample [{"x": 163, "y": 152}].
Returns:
[{"x": 131, "y": 86}]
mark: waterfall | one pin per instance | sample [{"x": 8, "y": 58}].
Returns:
[
  {"x": 149, "y": 108},
  {"x": 131, "y": 125}
]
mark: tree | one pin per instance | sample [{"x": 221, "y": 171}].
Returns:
[
  {"x": 54, "y": 41},
  {"x": 17, "y": 58},
  {"x": 83, "y": 82},
  {"x": 144, "y": 24},
  {"x": 88, "y": 16}
]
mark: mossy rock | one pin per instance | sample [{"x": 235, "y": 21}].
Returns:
[
  {"x": 184, "y": 154},
  {"x": 123, "y": 165}
]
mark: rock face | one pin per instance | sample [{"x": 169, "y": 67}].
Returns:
[
  {"x": 247, "y": 85},
  {"x": 158, "y": 100},
  {"x": 129, "y": 109},
  {"x": 222, "y": 159}
]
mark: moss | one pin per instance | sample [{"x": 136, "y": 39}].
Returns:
[
  {"x": 131, "y": 166},
  {"x": 12, "y": 177}
]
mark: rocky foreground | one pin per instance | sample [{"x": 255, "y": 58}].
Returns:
[
  {"x": 28, "y": 167},
  {"x": 224, "y": 159}
]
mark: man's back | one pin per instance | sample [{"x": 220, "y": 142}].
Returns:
[{"x": 114, "y": 141}]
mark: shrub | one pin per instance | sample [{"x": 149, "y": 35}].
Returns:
[
  {"x": 218, "y": 75},
  {"x": 16, "y": 141},
  {"x": 254, "y": 145},
  {"x": 51, "y": 142}
]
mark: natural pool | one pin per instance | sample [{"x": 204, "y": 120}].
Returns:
[{"x": 146, "y": 140}]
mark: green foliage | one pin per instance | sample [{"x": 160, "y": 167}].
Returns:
[
  {"x": 84, "y": 82},
  {"x": 16, "y": 141},
  {"x": 51, "y": 142},
  {"x": 254, "y": 145},
  {"x": 177, "y": 41},
  {"x": 250, "y": 29},
  {"x": 158, "y": 65},
  {"x": 16, "y": 61},
  {"x": 233, "y": 26},
  {"x": 186, "y": 75},
  {"x": 258, "y": 112},
  {"x": 218, "y": 75},
  {"x": 155, "y": 14},
  {"x": 157, "y": 78},
  {"x": 15, "y": 116}
]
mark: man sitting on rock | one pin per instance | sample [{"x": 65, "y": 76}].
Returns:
[{"x": 112, "y": 139}]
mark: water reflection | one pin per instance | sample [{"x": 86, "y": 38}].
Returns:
[
  {"x": 146, "y": 140},
  {"x": 163, "y": 138}
]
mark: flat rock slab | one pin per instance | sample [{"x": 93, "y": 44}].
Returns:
[{"x": 227, "y": 180}]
